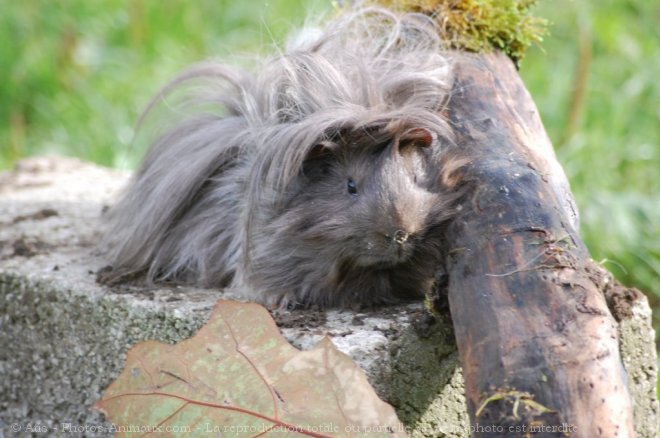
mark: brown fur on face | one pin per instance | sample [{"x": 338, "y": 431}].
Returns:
[{"x": 315, "y": 180}]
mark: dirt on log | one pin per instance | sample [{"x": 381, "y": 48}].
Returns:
[{"x": 538, "y": 346}]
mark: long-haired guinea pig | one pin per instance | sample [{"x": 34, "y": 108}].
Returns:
[{"x": 313, "y": 180}]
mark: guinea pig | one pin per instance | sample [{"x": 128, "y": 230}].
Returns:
[{"x": 314, "y": 180}]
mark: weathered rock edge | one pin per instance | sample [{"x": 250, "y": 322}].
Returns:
[{"x": 64, "y": 338}]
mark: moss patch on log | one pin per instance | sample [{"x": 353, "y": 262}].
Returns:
[{"x": 481, "y": 25}]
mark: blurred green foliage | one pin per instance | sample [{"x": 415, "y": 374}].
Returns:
[
  {"x": 596, "y": 81},
  {"x": 75, "y": 75}
]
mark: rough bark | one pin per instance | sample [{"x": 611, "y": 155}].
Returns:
[{"x": 538, "y": 345}]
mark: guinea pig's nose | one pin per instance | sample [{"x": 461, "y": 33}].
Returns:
[{"x": 400, "y": 237}]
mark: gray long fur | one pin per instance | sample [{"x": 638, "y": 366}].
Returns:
[{"x": 248, "y": 188}]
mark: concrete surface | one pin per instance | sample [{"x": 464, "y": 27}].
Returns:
[{"x": 63, "y": 337}]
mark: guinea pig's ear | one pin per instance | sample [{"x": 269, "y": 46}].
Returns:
[
  {"x": 416, "y": 137},
  {"x": 318, "y": 160},
  {"x": 322, "y": 150}
]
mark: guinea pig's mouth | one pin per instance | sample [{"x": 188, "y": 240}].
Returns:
[{"x": 387, "y": 252}]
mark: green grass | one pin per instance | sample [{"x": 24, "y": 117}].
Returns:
[
  {"x": 76, "y": 74},
  {"x": 610, "y": 149}
]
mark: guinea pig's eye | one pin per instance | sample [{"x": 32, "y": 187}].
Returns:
[{"x": 351, "y": 186}]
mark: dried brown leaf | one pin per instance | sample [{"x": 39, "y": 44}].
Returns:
[{"x": 239, "y": 377}]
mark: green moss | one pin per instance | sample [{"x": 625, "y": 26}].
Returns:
[{"x": 481, "y": 25}]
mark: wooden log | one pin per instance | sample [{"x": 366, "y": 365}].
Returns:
[{"x": 538, "y": 345}]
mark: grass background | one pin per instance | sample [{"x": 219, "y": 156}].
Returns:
[{"x": 74, "y": 75}]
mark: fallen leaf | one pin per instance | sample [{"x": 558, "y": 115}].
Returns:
[{"x": 239, "y": 377}]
